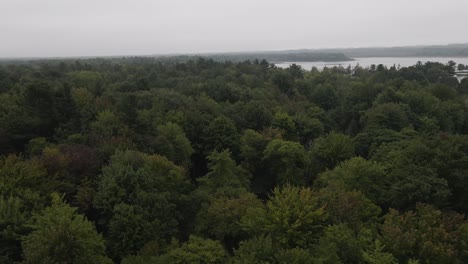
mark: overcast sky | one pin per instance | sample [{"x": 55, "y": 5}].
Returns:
[{"x": 40, "y": 28}]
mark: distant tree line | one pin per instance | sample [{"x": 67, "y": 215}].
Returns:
[
  {"x": 451, "y": 50},
  {"x": 279, "y": 56}
]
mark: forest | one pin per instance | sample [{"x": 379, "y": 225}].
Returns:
[{"x": 146, "y": 160}]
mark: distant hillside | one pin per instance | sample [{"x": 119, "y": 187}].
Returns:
[
  {"x": 279, "y": 56},
  {"x": 299, "y": 55},
  {"x": 345, "y": 54},
  {"x": 451, "y": 50},
  {"x": 270, "y": 56}
]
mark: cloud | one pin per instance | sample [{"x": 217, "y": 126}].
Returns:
[{"x": 124, "y": 27}]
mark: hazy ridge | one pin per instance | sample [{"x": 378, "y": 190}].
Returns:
[
  {"x": 300, "y": 55},
  {"x": 450, "y": 50}
]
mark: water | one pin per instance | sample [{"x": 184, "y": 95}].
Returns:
[{"x": 367, "y": 62}]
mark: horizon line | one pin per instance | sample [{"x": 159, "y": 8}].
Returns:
[{"x": 221, "y": 52}]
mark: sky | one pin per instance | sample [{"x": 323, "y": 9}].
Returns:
[{"x": 60, "y": 28}]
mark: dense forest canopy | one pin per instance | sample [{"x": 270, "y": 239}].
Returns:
[{"x": 145, "y": 160}]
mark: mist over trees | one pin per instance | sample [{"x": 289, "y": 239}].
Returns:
[{"x": 146, "y": 160}]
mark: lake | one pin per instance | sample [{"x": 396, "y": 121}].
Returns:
[{"x": 367, "y": 62}]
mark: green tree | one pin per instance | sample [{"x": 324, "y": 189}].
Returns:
[
  {"x": 443, "y": 92},
  {"x": 221, "y": 219},
  {"x": 284, "y": 81},
  {"x": 292, "y": 217},
  {"x": 348, "y": 206},
  {"x": 377, "y": 255},
  {"x": 294, "y": 256},
  {"x": 452, "y": 116},
  {"x": 426, "y": 234},
  {"x": 389, "y": 115},
  {"x": 91, "y": 80},
  {"x": 85, "y": 106},
  {"x": 368, "y": 177},
  {"x": 368, "y": 141},
  {"x": 325, "y": 96},
  {"x": 285, "y": 123},
  {"x": 221, "y": 134},
  {"x": 451, "y": 163},
  {"x": 25, "y": 179},
  {"x": 75, "y": 168},
  {"x": 15, "y": 123},
  {"x": 141, "y": 198},
  {"x": 110, "y": 133},
  {"x": 60, "y": 235},
  {"x": 224, "y": 178},
  {"x": 339, "y": 244},
  {"x": 255, "y": 115},
  {"x": 287, "y": 162},
  {"x": 411, "y": 170},
  {"x": 198, "y": 251},
  {"x": 262, "y": 250},
  {"x": 252, "y": 146},
  {"x": 172, "y": 143},
  {"x": 107, "y": 125},
  {"x": 308, "y": 129},
  {"x": 13, "y": 225},
  {"x": 421, "y": 102},
  {"x": 255, "y": 250},
  {"x": 331, "y": 149},
  {"x": 40, "y": 103},
  {"x": 463, "y": 87},
  {"x": 36, "y": 145}
]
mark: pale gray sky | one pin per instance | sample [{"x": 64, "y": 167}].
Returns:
[{"x": 139, "y": 27}]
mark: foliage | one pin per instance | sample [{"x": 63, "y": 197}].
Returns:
[
  {"x": 412, "y": 174},
  {"x": 221, "y": 220},
  {"x": 348, "y": 206},
  {"x": 426, "y": 234},
  {"x": 197, "y": 250},
  {"x": 60, "y": 235},
  {"x": 377, "y": 255},
  {"x": 140, "y": 198},
  {"x": 222, "y": 156},
  {"x": 25, "y": 179},
  {"x": 339, "y": 244},
  {"x": 332, "y": 149},
  {"x": 292, "y": 217},
  {"x": 286, "y": 124},
  {"x": 13, "y": 225},
  {"x": 287, "y": 161},
  {"x": 224, "y": 178},
  {"x": 389, "y": 115},
  {"x": 172, "y": 143},
  {"x": 262, "y": 250},
  {"x": 359, "y": 174},
  {"x": 221, "y": 134}
]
